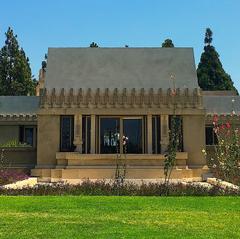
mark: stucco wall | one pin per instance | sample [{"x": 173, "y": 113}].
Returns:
[
  {"x": 48, "y": 140},
  {"x": 194, "y": 139},
  {"x": 8, "y": 132}
]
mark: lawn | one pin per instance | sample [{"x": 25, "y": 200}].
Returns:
[{"x": 119, "y": 217}]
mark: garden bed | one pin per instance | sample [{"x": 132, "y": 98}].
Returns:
[
  {"x": 111, "y": 188},
  {"x": 8, "y": 176}
]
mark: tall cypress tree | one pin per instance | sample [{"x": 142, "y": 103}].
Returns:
[
  {"x": 211, "y": 75},
  {"x": 15, "y": 71},
  {"x": 168, "y": 43}
]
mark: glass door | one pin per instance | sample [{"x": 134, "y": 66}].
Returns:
[
  {"x": 109, "y": 135},
  {"x": 132, "y": 128},
  {"x": 66, "y": 133}
]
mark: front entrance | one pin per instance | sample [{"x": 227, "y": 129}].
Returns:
[{"x": 112, "y": 129}]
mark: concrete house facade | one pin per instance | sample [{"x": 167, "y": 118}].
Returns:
[{"x": 91, "y": 97}]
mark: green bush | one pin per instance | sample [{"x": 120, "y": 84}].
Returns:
[
  {"x": 226, "y": 160},
  {"x": 13, "y": 144}
]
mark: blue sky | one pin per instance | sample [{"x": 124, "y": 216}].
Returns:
[{"x": 137, "y": 23}]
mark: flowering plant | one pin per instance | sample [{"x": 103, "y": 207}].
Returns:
[
  {"x": 173, "y": 147},
  {"x": 120, "y": 172},
  {"x": 227, "y": 152},
  {"x": 8, "y": 176}
]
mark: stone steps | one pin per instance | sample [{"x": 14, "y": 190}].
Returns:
[{"x": 80, "y": 173}]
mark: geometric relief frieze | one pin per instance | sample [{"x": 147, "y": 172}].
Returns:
[{"x": 125, "y": 98}]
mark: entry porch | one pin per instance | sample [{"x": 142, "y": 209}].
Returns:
[{"x": 73, "y": 167}]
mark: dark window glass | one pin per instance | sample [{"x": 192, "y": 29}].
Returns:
[
  {"x": 132, "y": 128},
  {"x": 109, "y": 135},
  {"x": 83, "y": 134},
  {"x": 215, "y": 139},
  {"x": 28, "y": 136},
  {"x": 156, "y": 135},
  {"x": 179, "y": 124},
  {"x": 21, "y": 134},
  {"x": 67, "y": 129},
  {"x": 211, "y": 137},
  {"x": 86, "y": 134},
  {"x": 144, "y": 134}
]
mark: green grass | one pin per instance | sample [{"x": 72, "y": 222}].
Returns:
[{"x": 119, "y": 217}]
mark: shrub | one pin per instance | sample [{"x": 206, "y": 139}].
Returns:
[
  {"x": 13, "y": 144},
  {"x": 102, "y": 187},
  {"x": 226, "y": 162}
]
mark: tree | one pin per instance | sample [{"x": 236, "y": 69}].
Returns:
[
  {"x": 210, "y": 72},
  {"x": 208, "y": 37},
  {"x": 44, "y": 62},
  {"x": 168, "y": 43},
  {"x": 94, "y": 45},
  {"x": 15, "y": 72}
]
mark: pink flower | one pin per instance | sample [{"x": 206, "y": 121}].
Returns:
[
  {"x": 222, "y": 126},
  {"x": 228, "y": 125}
]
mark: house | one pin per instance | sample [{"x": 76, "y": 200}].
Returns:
[{"x": 90, "y": 98}]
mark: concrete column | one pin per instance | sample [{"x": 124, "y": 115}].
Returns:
[
  {"x": 194, "y": 139},
  {"x": 93, "y": 133},
  {"x": 164, "y": 133},
  {"x": 78, "y": 132},
  {"x": 149, "y": 133},
  {"x": 48, "y": 140}
]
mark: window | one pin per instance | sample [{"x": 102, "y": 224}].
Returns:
[
  {"x": 156, "y": 135},
  {"x": 179, "y": 124},
  {"x": 132, "y": 128},
  {"x": 112, "y": 129},
  {"x": 211, "y": 137},
  {"x": 109, "y": 135},
  {"x": 86, "y": 134},
  {"x": 26, "y": 135},
  {"x": 66, "y": 133}
]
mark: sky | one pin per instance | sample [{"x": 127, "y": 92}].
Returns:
[{"x": 112, "y": 23}]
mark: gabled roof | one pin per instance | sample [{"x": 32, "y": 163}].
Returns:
[
  {"x": 221, "y": 104},
  {"x": 19, "y": 105},
  {"x": 120, "y": 68}
]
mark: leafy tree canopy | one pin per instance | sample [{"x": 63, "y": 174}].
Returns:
[
  {"x": 15, "y": 72},
  {"x": 211, "y": 75},
  {"x": 44, "y": 62},
  {"x": 94, "y": 45},
  {"x": 168, "y": 43}
]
